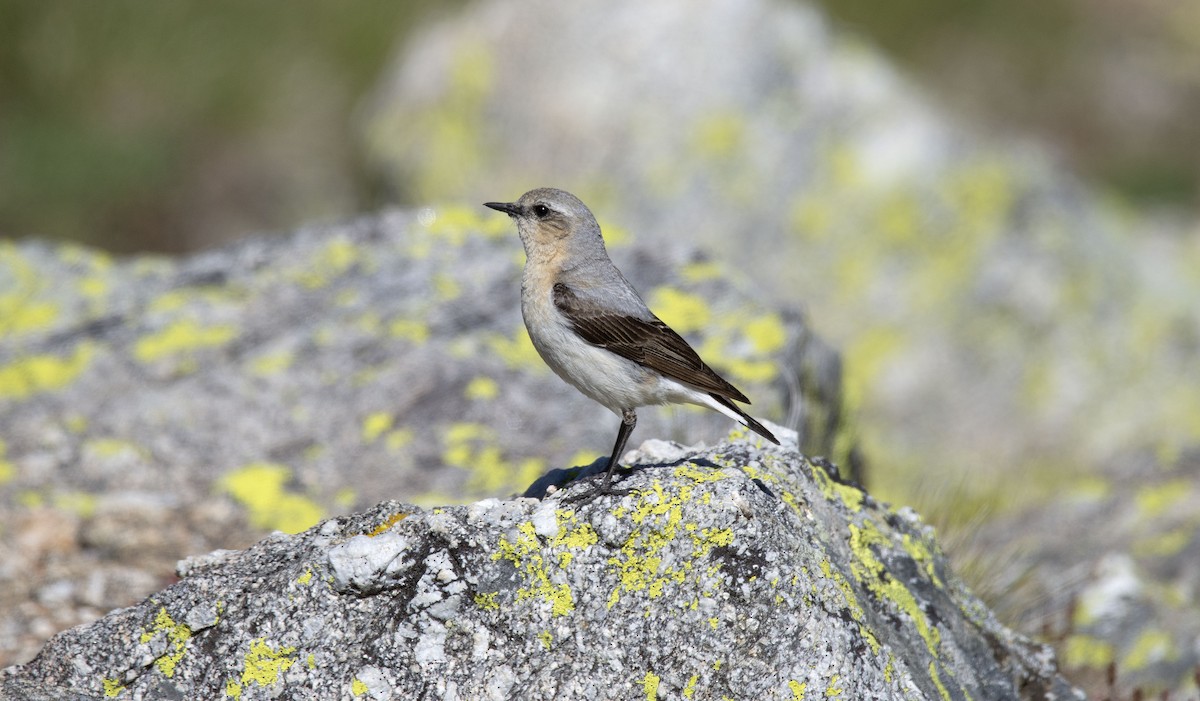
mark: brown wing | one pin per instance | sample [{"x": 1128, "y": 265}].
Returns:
[{"x": 651, "y": 344}]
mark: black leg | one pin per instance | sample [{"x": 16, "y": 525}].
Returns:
[{"x": 628, "y": 421}]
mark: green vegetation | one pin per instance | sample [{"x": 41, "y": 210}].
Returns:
[
  {"x": 172, "y": 126},
  {"x": 1112, "y": 86}
]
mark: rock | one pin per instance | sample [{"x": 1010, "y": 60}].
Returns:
[{"x": 741, "y": 570}]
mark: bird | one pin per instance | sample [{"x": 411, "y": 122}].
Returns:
[{"x": 593, "y": 329}]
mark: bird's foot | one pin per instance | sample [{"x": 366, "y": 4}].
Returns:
[
  {"x": 587, "y": 496},
  {"x": 594, "y": 491}
]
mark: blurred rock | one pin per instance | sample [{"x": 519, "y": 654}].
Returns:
[
  {"x": 738, "y": 571},
  {"x": 1110, "y": 571},
  {"x": 41, "y": 533}
]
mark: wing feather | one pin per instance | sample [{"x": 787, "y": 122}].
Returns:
[{"x": 649, "y": 343}]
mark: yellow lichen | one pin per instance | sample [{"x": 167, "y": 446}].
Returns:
[
  {"x": 181, "y": 336},
  {"x": 35, "y": 374},
  {"x": 1150, "y": 647},
  {"x": 517, "y": 351},
  {"x": 473, "y": 447},
  {"x": 268, "y": 364},
  {"x": 179, "y": 298},
  {"x": 388, "y": 523},
  {"x": 526, "y": 554},
  {"x": 112, "y": 687},
  {"x": 766, "y": 334},
  {"x": 869, "y": 571},
  {"x": 1158, "y": 545},
  {"x": 701, "y": 271},
  {"x": 1083, "y": 650},
  {"x": 850, "y": 496},
  {"x": 811, "y": 217},
  {"x": 797, "y": 689},
  {"x": 19, "y": 315},
  {"x": 330, "y": 262},
  {"x": 482, "y": 388},
  {"x": 614, "y": 236},
  {"x": 358, "y": 687},
  {"x": 448, "y": 132},
  {"x": 94, "y": 287},
  {"x": 846, "y": 588},
  {"x": 708, "y": 538},
  {"x": 75, "y": 423},
  {"x": 658, "y": 515},
  {"x": 398, "y": 439},
  {"x": 413, "y": 330},
  {"x": 650, "y": 684},
  {"x": 719, "y": 136},
  {"x": 446, "y": 288},
  {"x": 80, "y": 503},
  {"x": 454, "y": 223},
  {"x": 682, "y": 311},
  {"x": 177, "y": 635},
  {"x": 922, "y": 551},
  {"x": 7, "y": 469},
  {"x": 345, "y": 497},
  {"x": 375, "y": 424},
  {"x": 31, "y": 499},
  {"x": 937, "y": 681},
  {"x": 263, "y": 664},
  {"x": 1153, "y": 500},
  {"x": 260, "y": 488},
  {"x": 697, "y": 474},
  {"x": 832, "y": 689}
]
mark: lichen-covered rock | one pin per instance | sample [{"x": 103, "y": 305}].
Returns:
[{"x": 741, "y": 571}]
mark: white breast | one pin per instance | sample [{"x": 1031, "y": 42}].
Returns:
[{"x": 605, "y": 377}]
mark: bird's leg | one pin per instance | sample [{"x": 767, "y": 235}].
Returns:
[{"x": 628, "y": 421}]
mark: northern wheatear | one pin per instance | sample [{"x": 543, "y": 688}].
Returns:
[{"x": 591, "y": 327}]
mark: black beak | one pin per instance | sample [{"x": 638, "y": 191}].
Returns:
[{"x": 512, "y": 209}]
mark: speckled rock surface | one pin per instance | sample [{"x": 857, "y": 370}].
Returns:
[
  {"x": 738, "y": 571},
  {"x": 151, "y": 409}
]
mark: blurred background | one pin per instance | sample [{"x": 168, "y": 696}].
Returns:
[
  {"x": 989, "y": 208},
  {"x": 175, "y": 127}
]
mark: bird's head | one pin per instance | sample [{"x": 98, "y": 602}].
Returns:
[{"x": 551, "y": 222}]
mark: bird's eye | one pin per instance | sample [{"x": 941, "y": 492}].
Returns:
[{"x": 540, "y": 211}]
